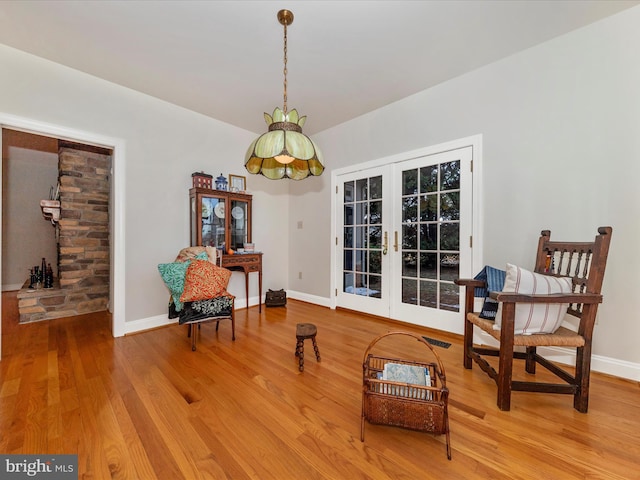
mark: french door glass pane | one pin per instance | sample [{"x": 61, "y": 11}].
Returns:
[
  {"x": 409, "y": 209},
  {"x": 428, "y": 294},
  {"x": 375, "y": 262},
  {"x": 450, "y": 206},
  {"x": 431, "y": 235},
  {"x": 348, "y": 260},
  {"x": 375, "y": 187},
  {"x": 449, "y": 236},
  {"x": 375, "y": 286},
  {"x": 409, "y": 291},
  {"x": 362, "y": 224},
  {"x": 348, "y": 280},
  {"x": 409, "y": 268},
  {"x": 428, "y": 236},
  {"x": 450, "y": 175},
  {"x": 409, "y": 182},
  {"x": 429, "y": 178},
  {"x": 361, "y": 237},
  {"x": 348, "y": 192},
  {"x": 449, "y": 294},
  {"x": 428, "y": 265},
  {"x": 410, "y": 236},
  {"x": 375, "y": 236},
  {"x": 449, "y": 266},
  {"x": 361, "y": 189},
  {"x": 429, "y": 208},
  {"x": 348, "y": 214},
  {"x": 375, "y": 210}
]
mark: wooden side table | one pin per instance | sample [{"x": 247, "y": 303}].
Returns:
[{"x": 247, "y": 263}]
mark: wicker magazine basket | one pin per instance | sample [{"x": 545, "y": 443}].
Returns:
[{"x": 400, "y": 404}]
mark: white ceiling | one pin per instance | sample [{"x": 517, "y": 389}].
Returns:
[{"x": 224, "y": 59}]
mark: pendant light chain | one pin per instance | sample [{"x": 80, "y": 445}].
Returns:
[
  {"x": 284, "y": 151},
  {"x": 285, "y": 69}
]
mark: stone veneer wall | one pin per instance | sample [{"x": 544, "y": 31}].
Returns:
[
  {"x": 83, "y": 256},
  {"x": 82, "y": 285}
]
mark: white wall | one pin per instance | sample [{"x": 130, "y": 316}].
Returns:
[
  {"x": 561, "y": 136},
  {"x": 164, "y": 144},
  {"x": 27, "y": 236},
  {"x": 561, "y": 149}
]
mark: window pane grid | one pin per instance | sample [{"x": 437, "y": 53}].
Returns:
[
  {"x": 430, "y": 235},
  {"x": 362, "y": 237}
]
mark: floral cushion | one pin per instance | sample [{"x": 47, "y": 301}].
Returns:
[
  {"x": 193, "y": 312},
  {"x": 533, "y": 318},
  {"x": 173, "y": 275},
  {"x": 204, "y": 280},
  {"x": 191, "y": 253}
]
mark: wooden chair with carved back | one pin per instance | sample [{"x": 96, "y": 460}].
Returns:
[{"x": 581, "y": 266}]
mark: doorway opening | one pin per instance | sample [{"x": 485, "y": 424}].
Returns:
[
  {"x": 117, "y": 280},
  {"x": 74, "y": 275}
]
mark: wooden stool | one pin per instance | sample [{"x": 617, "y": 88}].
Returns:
[{"x": 304, "y": 331}]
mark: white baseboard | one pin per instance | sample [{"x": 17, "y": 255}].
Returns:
[
  {"x": 149, "y": 323},
  {"x": 305, "y": 297},
  {"x": 12, "y": 287},
  {"x": 241, "y": 303},
  {"x": 607, "y": 365}
]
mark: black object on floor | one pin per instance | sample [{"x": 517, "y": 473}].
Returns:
[{"x": 437, "y": 343}]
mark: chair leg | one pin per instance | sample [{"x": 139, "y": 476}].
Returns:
[
  {"x": 468, "y": 328},
  {"x": 505, "y": 370},
  {"x": 194, "y": 333},
  {"x": 583, "y": 372},
  {"x": 530, "y": 362},
  {"x": 505, "y": 363},
  {"x": 233, "y": 324},
  {"x": 468, "y": 344}
]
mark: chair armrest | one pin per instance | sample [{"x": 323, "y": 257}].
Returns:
[
  {"x": 470, "y": 285},
  {"x": 510, "y": 297},
  {"x": 470, "y": 282}
]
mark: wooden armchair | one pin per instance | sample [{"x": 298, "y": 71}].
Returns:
[{"x": 584, "y": 263}]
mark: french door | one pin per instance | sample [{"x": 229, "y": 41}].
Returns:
[
  {"x": 363, "y": 241},
  {"x": 403, "y": 237}
]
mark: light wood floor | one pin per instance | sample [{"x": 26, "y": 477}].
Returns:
[{"x": 146, "y": 407}]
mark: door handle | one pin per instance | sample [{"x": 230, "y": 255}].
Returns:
[
  {"x": 395, "y": 240},
  {"x": 385, "y": 246}
]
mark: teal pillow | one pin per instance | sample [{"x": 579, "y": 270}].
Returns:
[
  {"x": 173, "y": 276},
  {"x": 202, "y": 256}
]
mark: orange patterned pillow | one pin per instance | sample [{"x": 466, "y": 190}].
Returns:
[{"x": 204, "y": 280}]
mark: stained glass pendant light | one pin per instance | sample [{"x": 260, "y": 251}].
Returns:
[{"x": 284, "y": 151}]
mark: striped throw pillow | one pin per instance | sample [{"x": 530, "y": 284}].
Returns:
[{"x": 533, "y": 318}]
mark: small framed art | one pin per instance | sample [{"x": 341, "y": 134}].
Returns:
[{"x": 237, "y": 183}]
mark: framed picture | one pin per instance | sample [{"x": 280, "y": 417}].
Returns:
[{"x": 237, "y": 183}]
